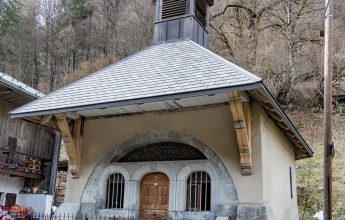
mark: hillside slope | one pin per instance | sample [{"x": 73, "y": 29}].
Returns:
[{"x": 310, "y": 171}]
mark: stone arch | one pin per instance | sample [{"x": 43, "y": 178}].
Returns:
[
  {"x": 151, "y": 137},
  {"x": 225, "y": 183},
  {"x": 182, "y": 179},
  {"x": 190, "y": 168},
  {"x": 102, "y": 184},
  {"x": 107, "y": 171},
  {"x": 151, "y": 168}
]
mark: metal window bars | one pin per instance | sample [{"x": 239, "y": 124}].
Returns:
[
  {"x": 115, "y": 191},
  {"x": 199, "y": 192}
]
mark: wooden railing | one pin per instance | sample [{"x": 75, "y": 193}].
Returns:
[{"x": 20, "y": 164}]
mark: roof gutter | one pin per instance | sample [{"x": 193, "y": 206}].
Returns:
[
  {"x": 18, "y": 86},
  {"x": 286, "y": 119}
]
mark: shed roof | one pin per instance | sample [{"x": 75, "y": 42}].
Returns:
[
  {"x": 16, "y": 92},
  {"x": 164, "y": 69}
]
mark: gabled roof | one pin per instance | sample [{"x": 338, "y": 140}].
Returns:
[
  {"x": 167, "y": 76},
  {"x": 163, "y": 69},
  {"x": 17, "y": 92}
]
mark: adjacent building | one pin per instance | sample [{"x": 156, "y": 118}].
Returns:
[{"x": 28, "y": 151}]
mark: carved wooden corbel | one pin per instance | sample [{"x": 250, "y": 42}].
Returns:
[
  {"x": 240, "y": 110},
  {"x": 72, "y": 137}
]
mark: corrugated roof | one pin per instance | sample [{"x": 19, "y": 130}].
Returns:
[
  {"x": 164, "y": 69},
  {"x": 14, "y": 84}
]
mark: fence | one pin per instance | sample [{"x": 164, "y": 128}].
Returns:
[{"x": 39, "y": 216}]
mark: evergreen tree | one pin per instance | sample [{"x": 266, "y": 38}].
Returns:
[{"x": 9, "y": 14}]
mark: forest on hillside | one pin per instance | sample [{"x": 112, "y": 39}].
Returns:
[{"x": 48, "y": 43}]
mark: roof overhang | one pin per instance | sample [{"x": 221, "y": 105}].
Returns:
[
  {"x": 277, "y": 114},
  {"x": 16, "y": 92},
  {"x": 139, "y": 103},
  {"x": 256, "y": 91}
]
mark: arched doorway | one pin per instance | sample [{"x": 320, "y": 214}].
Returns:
[
  {"x": 154, "y": 196},
  {"x": 167, "y": 152}
]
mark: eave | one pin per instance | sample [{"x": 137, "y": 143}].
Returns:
[{"x": 256, "y": 91}]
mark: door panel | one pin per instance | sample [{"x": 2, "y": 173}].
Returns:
[{"x": 154, "y": 197}]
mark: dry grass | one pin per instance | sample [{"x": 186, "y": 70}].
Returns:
[{"x": 310, "y": 171}]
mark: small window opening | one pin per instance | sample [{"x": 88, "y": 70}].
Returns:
[
  {"x": 201, "y": 11},
  {"x": 291, "y": 190},
  {"x": 199, "y": 192},
  {"x": 115, "y": 191},
  {"x": 173, "y": 8}
]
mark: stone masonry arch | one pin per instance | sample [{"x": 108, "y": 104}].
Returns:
[{"x": 213, "y": 164}]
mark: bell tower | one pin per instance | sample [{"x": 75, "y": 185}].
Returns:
[{"x": 182, "y": 20}]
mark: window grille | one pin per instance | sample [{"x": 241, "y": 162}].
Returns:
[
  {"x": 164, "y": 151},
  {"x": 173, "y": 8},
  {"x": 115, "y": 191},
  {"x": 199, "y": 192},
  {"x": 201, "y": 11}
]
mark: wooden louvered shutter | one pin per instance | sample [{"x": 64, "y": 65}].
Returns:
[
  {"x": 173, "y": 8},
  {"x": 201, "y": 11}
]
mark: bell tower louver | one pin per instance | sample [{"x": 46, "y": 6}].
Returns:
[{"x": 182, "y": 20}]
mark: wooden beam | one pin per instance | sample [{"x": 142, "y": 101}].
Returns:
[
  {"x": 72, "y": 141},
  {"x": 73, "y": 115},
  {"x": 45, "y": 119},
  {"x": 241, "y": 118}
]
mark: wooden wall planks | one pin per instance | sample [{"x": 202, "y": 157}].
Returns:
[{"x": 32, "y": 138}]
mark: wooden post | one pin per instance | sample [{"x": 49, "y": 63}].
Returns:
[{"x": 328, "y": 139}]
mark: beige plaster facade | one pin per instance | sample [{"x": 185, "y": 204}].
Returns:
[{"x": 272, "y": 153}]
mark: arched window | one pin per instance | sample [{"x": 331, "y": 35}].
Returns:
[
  {"x": 199, "y": 192},
  {"x": 115, "y": 191}
]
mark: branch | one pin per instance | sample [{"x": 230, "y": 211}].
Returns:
[
  {"x": 249, "y": 11},
  {"x": 224, "y": 38}
]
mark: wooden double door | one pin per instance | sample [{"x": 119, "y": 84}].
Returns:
[{"x": 154, "y": 197}]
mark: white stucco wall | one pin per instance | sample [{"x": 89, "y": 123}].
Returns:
[
  {"x": 277, "y": 157},
  {"x": 40, "y": 203},
  {"x": 9, "y": 185},
  {"x": 271, "y": 151},
  {"x": 212, "y": 126}
]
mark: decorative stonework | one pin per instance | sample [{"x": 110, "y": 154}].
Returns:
[
  {"x": 224, "y": 198},
  {"x": 164, "y": 151}
]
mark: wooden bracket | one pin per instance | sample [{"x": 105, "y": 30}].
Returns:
[
  {"x": 241, "y": 115},
  {"x": 72, "y": 138},
  {"x": 45, "y": 119}
]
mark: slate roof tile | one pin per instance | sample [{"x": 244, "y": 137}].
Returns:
[{"x": 164, "y": 69}]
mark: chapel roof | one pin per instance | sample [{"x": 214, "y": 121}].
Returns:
[
  {"x": 165, "y": 76},
  {"x": 160, "y": 70}
]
